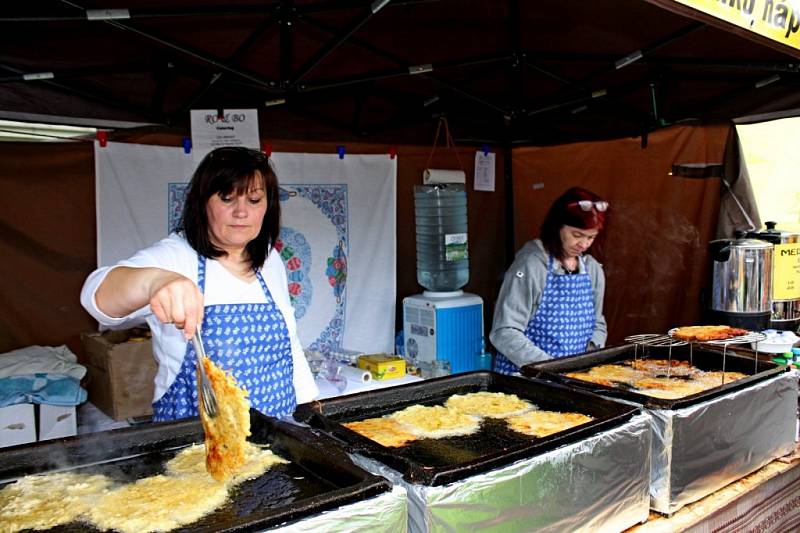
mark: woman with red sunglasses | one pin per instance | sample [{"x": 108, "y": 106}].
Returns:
[{"x": 551, "y": 302}]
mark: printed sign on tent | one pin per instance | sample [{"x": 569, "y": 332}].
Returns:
[{"x": 215, "y": 128}]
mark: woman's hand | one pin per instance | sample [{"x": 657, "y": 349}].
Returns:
[{"x": 173, "y": 298}]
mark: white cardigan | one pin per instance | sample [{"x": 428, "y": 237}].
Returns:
[{"x": 221, "y": 287}]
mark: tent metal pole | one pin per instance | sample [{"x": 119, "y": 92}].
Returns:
[
  {"x": 267, "y": 85},
  {"x": 215, "y": 77},
  {"x": 90, "y": 97},
  {"x": 332, "y": 45}
]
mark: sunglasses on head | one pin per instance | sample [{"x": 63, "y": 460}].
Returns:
[{"x": 586, "y": 205}]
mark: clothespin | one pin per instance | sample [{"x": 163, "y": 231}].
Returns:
[
  {"x": 102, "y": 137},
  {"x": 340, "y": 151},
  {"x": 392, "y": 152},
  {"x": 187, "y": 145},
  {"x": 220, "y": 113},
  {"x": 485, "y": 149},
  {"x": 267, "y": 149}
]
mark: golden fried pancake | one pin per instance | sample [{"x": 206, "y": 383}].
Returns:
[
  {"x": 45, "y": 501},
  {"x": 607, "y": 374},
  {"x": 383, "y": 430},
  {"x": 184, "y": 494},
  {"x": 435, "y": 422},
  {"x": 714, "y": 378},
  {"x": 707, "y": 333},
  {"x": 192, "y": 460},
  {"x": 668, "y": 388},
  {"x": 543, "y": 423},
  {"x": 158, "y": 503},
  {"x": 488, "y": 404},
  {"x": 586, "y": 376},
  {"x": 226, "y": 433},
  {"x": 674, "y": 367}
]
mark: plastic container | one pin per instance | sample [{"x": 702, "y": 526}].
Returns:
[
  {"x": 441, "y": 230},
  {"x": 777, "y": 341}
]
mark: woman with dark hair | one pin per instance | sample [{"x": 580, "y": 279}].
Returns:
[
  {"x": 219, "y": 272},
  {"x": 551, "y": 302}
]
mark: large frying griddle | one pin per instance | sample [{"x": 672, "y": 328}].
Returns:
[
  {"x": 441, "y": 461},
  {"x": 704, "y": 357},
  {"x": 320, "y": 476}
]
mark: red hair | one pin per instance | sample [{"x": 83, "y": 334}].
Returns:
[{"x": 565, "y": 211}]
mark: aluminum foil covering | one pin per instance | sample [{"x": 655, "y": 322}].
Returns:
[
  {"x": 386, "y": 512},
  {"x": 700, "y": 449},
  {"x": 596, "y": 484}
]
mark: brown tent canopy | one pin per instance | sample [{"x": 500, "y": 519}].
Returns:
[{"x": 514, "y": 72}]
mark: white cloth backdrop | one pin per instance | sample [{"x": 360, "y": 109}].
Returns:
[{"x": 337, "y": 236}]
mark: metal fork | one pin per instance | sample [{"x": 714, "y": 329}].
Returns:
[{"x": 207, "y": 395}]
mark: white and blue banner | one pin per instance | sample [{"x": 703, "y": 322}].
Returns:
[{"x": 337, "y": 237}]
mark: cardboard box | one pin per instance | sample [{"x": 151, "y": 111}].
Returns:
[
  {"x": 17, "y": 425},
  {"x": 57, "y": 421},
  {"x": 121, "y": 369},
  {"x": 383, "y": 366}
]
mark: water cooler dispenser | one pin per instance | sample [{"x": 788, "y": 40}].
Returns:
[{"x": 443, "y": 323}]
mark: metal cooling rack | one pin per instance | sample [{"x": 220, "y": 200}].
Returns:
[
  {"x": 654, "y": 339},
  {"x": 753, "y": 336}
]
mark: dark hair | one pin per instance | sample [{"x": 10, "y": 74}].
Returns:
[
  {"x": 565, "y": 211},
  {"x": 224, "y": 171}
]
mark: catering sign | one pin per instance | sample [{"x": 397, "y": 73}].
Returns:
[
  {"x": 777, "y": 20},
  {"x": 786, "y": 279},
  {"x": 212, "y": 128}
]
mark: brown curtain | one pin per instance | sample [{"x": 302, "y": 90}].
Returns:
[
  {"x": 48, "y": 240},
  {"x": 654, "y": 248}
]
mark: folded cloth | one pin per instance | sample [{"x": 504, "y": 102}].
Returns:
[
  {"x": 33, "y": 359},
  {"x": 53, "y": 389}
]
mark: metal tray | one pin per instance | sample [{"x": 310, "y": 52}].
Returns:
[
  {"x": 703, "y": 357},
  {"x": 320, "y": 475},
  {"x": 441, "y": 461}
]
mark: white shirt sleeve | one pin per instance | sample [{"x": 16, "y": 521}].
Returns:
[{"x": 172, "y": 253}]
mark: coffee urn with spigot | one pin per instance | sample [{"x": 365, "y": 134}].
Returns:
[{"x": 741, "y": 294}]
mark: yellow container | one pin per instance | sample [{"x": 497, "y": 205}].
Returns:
[{"x": 383, "y": 366}]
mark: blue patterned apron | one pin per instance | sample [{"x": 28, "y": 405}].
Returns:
[
  {"x": 564, "y": 322},
  {"x": 249, "y": 340}
]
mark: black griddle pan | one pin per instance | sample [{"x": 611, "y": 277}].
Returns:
[
  {"x": 704, "y": 357},
  {"x": 320, "y": 475},
  {"x": 441, "y": 461}
]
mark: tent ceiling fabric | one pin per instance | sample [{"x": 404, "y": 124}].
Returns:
[{"x": 519, "y": 72}]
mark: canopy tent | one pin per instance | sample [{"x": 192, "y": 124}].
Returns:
[
  {"x": 514, "y": 72},
  {"x": 506, "y": 74}
]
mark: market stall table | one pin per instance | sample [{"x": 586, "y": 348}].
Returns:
[{"x": 767, "y": 500}]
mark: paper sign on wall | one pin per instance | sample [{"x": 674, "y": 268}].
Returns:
[
  {"x": 234, "y": 127},
  {"x": 786, "y": 282},
  {"x": 484, "y": 171}
]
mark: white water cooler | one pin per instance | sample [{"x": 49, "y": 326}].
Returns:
[{"x": 444, "y": 326}]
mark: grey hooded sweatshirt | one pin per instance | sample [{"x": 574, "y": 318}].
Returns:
[{"x": 519, "y": 299}]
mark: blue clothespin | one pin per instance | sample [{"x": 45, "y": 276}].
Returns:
[
  {"x": 485, "y": 149},
  {"x": 340, "y": 151},
  {"x": 187, "y": 145}
]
